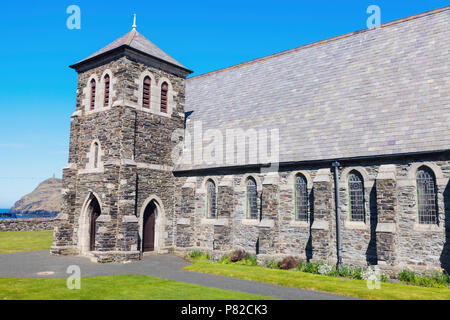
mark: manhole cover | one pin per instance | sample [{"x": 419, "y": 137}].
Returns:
[{"x": 45, "y": 273}]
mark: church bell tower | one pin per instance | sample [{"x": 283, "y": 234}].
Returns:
[{"x": 118, "y": 185}]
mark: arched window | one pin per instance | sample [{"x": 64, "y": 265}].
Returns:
[
  {"x": 356, "y": 196},
  {"x": 96, "y": 155},
  {"x": 211, "y": 199},
  {"x": 146, "y": 92},
  {"x": 427, "y": 196},
  {"x": 164, "y": 90},
  {"x": 93, "y": 94},
  {"x": 252, "y": 196},
  {"x": 106, "y": 99},
  {"x": 301, "y": 198}
]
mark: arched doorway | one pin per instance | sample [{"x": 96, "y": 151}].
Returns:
[
  {"x": 90, "y": 212},
  {"x": 94, "y": 213},
  {"x": 149, "y": 222}
]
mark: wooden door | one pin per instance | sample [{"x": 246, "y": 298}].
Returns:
[
  {"x": 95, "y": 213},
  {"x": 149, "y": 228}
]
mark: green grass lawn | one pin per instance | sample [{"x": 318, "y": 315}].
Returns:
[
  {"x": 302, "y": 280},
  {"x": 122, "y": 287},
  {"x": 17, "y": 241}
]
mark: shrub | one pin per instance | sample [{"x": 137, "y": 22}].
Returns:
[
  {"x": 424, "y": 281},
  {"x": 441, "y": 278},
  {"x": 196, "y": 254},
  {"x": 407, "y": 276},
  {"x": 324, "y": 269},
  {"x": 373, "y": 275},
  {"x": 240, "y": 257},
  {"x": 350, "y": 272},
  {"x": 436, "y": 279},
  {"x": 307, "y": 267},
  {"x": 251, "y": 260},
  {"x": 301, "y": 266},
  {"x": 288, "y": 263},
  {"x": 333, "y": 272},
  {"x": 344, "y": 271},
  {"x": 237, "y": 255},
  {"x": 225, "y": 259},
  {"x": 384, "y": 278},
  {"x": 272, "y": 264},
  {"x": 357, "y": 273}
]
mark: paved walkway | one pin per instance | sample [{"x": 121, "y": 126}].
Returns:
[{"x": 32, "y": 264}]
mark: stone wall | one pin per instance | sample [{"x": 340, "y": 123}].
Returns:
[
  {"x": 32, "y": 224},
  {"x": 390, "y": 235}
]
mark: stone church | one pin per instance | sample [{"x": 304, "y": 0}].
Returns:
[{"x": 358, "y": 132}]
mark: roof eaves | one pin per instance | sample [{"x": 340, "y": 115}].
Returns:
[
  {"x": 312, "y": 161},
  {"x": 104, "y": 54}
]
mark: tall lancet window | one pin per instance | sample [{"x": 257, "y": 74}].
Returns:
[
  {"x": 96, "y": 154},
  {"x": 301, "y": 198},
  {"x": 92, "y": 102},
  {"x": 146, "y": 92},
  {"x": 252, "y": 199},
  {"x": 106, "y": 98},
  {"x": 211, "y": 211},
  {"x": 164, "y": 90},
  {"x": 427, "y": 196},
  {"x": 356, "y": 197}
]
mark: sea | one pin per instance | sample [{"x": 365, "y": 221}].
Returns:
[{"x": 3, "y": 216}]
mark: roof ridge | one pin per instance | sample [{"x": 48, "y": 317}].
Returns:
[
  {"x": 130, "y": 38},
  {"x": 320, "y": 42}
]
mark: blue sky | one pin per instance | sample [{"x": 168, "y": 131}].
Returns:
[{"x": 37, "y": 89}]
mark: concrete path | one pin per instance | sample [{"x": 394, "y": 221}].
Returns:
[{"x": 37, "y": 264}]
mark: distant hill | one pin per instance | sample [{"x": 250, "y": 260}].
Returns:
[{"x": 45, "y": 200}]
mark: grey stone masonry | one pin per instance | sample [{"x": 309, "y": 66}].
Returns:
[
  {"x": 31, "y": 224},
  {"x": 185, "y": 221},
  {"x": 323, "y": 212},
  {"x": 386, "y": 234},
  {"x": 390, "y": 235},
  {"x": 224, "y": 225},
  {"x": 64, "y": 222},
  {"x": 269, "y": 232}
]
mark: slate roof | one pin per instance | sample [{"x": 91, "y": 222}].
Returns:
[
  {"x": 137, "y": 41},
  {"x": 373, "y": 92}
]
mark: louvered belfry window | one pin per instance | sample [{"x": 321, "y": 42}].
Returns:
[
  {"x": 211, "y": 199},
  {"x": 252, "y": 196},
  {"x": 164, "y": 90},
  {"x": 427, "y": 196},
  {"x": 356, "y": 197},
  {"x": 93, "y": 94},
  {"x": 146, "y": 93},
  {"x": 301, "y": 198},
  {"x": 106, "y": 99}
]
